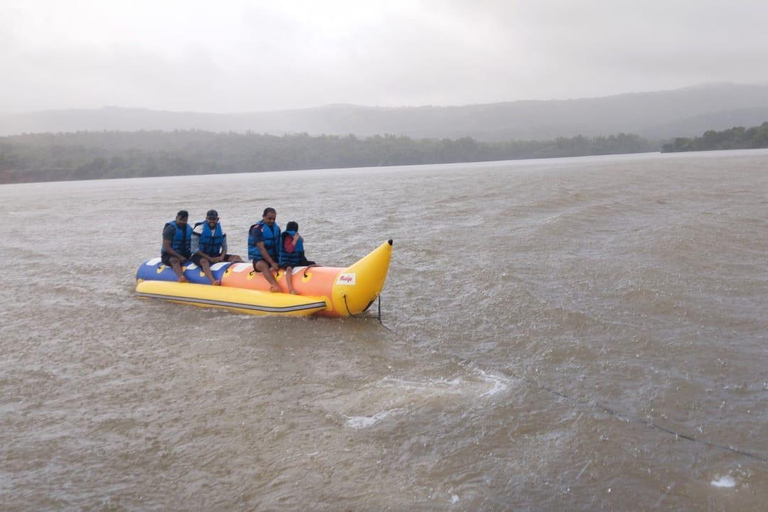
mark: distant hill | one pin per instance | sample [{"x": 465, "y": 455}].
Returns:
[
  {"x": 721, "y": 120},
  {"x": 654, "y": 115}
]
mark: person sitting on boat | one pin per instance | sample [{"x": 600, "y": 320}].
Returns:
[
  {"x": 263, "y": 246},
  {"x": 209, "y": 245},
  {"x": 292, "y": 253},
  {"x": 176, "y": 249}
]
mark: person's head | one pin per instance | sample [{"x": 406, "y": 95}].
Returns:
[
  {"x": 212, "y": 218},
  {"x": 182, "y": 217},
  {"x": 269, "y": 216},
  {"x": 292, "y": 226}
]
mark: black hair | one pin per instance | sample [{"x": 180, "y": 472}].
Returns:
[
  {"x": 184, "y": 214},
  {"x": 268, "y": 210},
  {"x": 292, "y": 226}
]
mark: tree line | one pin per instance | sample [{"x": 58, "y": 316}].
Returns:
[
  {"x": 109, "y": 154},
  {"x": 737, "y": 137}
]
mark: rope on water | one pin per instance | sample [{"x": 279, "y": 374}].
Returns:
[
  {"x": 378, "y": 317},
  {"x": 644, "y": 421},
  {"x": 621, "y": 416},
  {"x": 597, "y": 405}
]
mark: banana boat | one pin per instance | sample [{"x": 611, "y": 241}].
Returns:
[{"x": 325, "y": 291}]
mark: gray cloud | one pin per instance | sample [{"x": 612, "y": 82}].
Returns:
[{"x": 254, "y": 55}]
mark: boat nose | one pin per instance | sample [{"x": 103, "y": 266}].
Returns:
[{"x": 357, "y": 286}]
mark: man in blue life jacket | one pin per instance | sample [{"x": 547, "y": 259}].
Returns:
[
  {"x": 264, "y": 246},
  {"x": 209, "y": 245},
  {"x": 177, "y": 239}
]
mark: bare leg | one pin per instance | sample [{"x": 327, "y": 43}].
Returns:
[
  {"x": 176, "y": 266},
  {"x": 206, "y": 266},
  {"x": 289, "y": 280},
  {"x": 261, "y": 266}
]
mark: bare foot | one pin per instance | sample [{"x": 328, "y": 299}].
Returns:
[
  {"x": 216, "y": 283},
  {"x": 274, "y": 289},
  {"x": 183, "y": 279},
  {"x": 293, "y": 292}
]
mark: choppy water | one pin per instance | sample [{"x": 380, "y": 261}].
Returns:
[{"x": 636, "y": 286}]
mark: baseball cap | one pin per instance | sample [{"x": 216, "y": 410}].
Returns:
[{"x": 212, "y": 214}]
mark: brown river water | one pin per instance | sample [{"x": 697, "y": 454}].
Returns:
[{"x": 574, "y": 334}]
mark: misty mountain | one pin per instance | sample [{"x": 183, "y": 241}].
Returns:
[{"x": 659, "y": 115}]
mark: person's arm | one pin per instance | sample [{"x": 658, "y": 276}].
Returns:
[
  {"x": 168, "y": 246},
  {"x": 265, "y": 255},
  {"x": 223, "y": 255},
  {"x": 169, "y": 232}
]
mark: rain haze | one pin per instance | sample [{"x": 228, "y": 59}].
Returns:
[
  {"x": 541, "y": 242},
  {"x": 243, "y": 56}
]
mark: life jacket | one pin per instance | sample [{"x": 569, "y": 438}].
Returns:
[
  {"x": 271, "y": 239},
  {"x": 210, "y": 241},
  {"x": 291, "y": 259},
  {"x": 182, "y": 239}
]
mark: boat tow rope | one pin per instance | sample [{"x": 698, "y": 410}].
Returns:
[
  {"x": 595, "y": 405},
  {"x": 378, "y": 317},
  {"x": 649, "y": 423}
]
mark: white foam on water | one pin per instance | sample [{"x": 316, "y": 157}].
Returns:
[
  {"x": 391, "y": 395},
  {"x": 499, "y": 383},
  {"x": 427, "y": 388},
  {"x": 367, "y": 421},
  {"x": 723, "y": 481},
  {"x": 477, "y": 386}
]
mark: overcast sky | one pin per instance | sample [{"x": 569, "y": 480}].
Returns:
[{"x": 251, "y": 55}]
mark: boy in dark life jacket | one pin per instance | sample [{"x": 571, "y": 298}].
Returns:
[
  {"x": 177, "y": 237},
  {"x": 263, "y": 246},
  {"x": 292, "y": 253},
  {"x": 209, "y": 245}
]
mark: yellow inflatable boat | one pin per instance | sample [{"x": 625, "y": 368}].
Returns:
[{"x": 326, "y": 291}]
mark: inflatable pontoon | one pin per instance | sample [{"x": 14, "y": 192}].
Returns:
[{"x": 326, "y": 291}]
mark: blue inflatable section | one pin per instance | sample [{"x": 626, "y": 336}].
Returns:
[{"x": 155, "y": 270}]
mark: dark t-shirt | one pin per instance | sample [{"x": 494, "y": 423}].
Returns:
[
  {"x": 169, "y": 232},
  {"x": 257, "y": 235}
]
